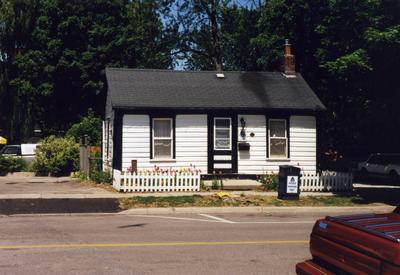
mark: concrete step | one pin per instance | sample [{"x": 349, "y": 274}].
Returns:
[{"x": 236, "y": 184}]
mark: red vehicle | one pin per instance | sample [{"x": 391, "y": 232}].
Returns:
[{"x": 355, "y": 244}]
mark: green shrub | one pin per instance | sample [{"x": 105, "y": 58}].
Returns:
[
  {"x": 28, "y": 167},
  {"x": 101, "y": 176},
  {"x": 56, "y": 156},
  {"x": 269, "y": 181},
  {"x": 80, "y": 175},
  {"x": 11, "y": 165},
  {"x": 90, "y": 126},
  {"x": 217, "y": 183}
]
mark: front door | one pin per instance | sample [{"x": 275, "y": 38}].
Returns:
[{"x": 222, "y": 144}]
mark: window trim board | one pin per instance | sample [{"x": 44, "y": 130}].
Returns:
[
  {"x": 215, "y": 134},
  {"x": 172, "y": 137},
  {"x": 287, "y": 138}
]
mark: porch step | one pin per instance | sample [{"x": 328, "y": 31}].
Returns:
[{"x": 236, "y": 184}]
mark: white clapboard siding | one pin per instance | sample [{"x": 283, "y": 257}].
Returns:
[
  {"x": 303, "y": 143},
  {"x": 156, "y": 182},
  {"x": 190, "y": 141},
  {"x": 135, "y": 140},
  {"x": 254, "y": 160}
]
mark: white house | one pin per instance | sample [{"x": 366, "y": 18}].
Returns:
[{"x": 235, "y": 123}]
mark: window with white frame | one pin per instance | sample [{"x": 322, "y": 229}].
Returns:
[
  {"x": 277, "y": 135},
  {"x": 222, "y": 133},
  {"x": 162, "y": 138}
]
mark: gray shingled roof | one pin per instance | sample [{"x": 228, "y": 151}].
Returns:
[{"x": 135, "y": 88}]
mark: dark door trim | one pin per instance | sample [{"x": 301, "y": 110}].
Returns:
[{"x": 212, "y": 153}]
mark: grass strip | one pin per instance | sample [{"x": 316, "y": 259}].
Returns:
[{"x": 242, "y": 200}]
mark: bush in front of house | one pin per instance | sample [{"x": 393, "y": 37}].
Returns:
[
  {"x": 269, "y": 181},
  {"x": 56, "y": 156},
  {"x": 217, "y": 182},
  {"x": 101, "y": 176},
  {"x": 11, "y": 165}
]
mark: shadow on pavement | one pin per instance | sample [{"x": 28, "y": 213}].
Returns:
[
  {"x": 365, "y": 195},
  {"x": 42, "y": 206}
]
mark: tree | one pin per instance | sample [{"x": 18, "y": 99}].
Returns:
[
  {"x": 200, "y": 35},
  {"x": 89, "y": 125},
  {"x": 348, "y": 52},
  {"x": 61, "y": 71},
  {"x": 17, "y": 20},
  {"x": 215, "y": 34}
]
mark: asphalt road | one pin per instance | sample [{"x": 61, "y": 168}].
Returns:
[{"x": 165, "y": 244}]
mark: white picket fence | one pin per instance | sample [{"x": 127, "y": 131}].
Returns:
[
  {"x": 190, "y": 182},
  {"x": 326, "y": 181},
  {"x": 156, "y": 182}
]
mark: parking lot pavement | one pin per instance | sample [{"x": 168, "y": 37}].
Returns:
[{"x": 46, "y": 187}]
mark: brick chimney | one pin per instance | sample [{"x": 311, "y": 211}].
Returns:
[{"x": 289, "y": 69}]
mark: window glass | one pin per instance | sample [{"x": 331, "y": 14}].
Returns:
[
  {"x": 222, "y": 134},
  {"x": 277, "y": 128},
  {"x": 162, "y": 128},
  {"x": 222, "y": 144},
  {"x": 162, "y": 148},
  {"x": 11, "y": 151},
  {"x": 278, "y": 147},
  {"x": 222, "y": 123},
  {"x": 372, "y": 159},
  {"x": 162, "y": 138}
]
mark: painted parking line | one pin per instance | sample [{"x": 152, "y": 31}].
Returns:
[
  {"x": 217, "y": 218},
  {"x": 279, "y": 222},
  {"x": 174, "y": 218},
  {"x": 155, "y": 244}
]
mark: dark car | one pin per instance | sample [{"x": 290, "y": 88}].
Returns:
[
  {"x": 355, "y": 244},
  {"x": 11, "y": 150}
]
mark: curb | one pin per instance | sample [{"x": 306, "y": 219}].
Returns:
[
  {"x": 223, "y": 210},
  {"x": 257, "y": 209}
]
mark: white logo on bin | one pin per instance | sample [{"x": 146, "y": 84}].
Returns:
[{"x": 292, "y": 184}]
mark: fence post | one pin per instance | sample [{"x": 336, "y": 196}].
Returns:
[{"x": 84, "y": 149}]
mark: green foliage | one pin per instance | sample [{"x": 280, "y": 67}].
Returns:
[
  {"x": 101, "y": 176},
  {"x": 349, "y": 64},
  {"x": 348, "y": 52},
  {"x": 269, "y": 181},
  {"x": 11, "y": 165},
  {"x": 90, "y": 126},
  {"x": 202, "y": 185},
  {"x": 80, "y": 175},
  {"x": 53, "y": 56},
  {"x": 56, "y": 156},
  {"x": 170, "y": 201},
  {"x": 217, "y": 183}
]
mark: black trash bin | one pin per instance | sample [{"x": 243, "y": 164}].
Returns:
[{"x": 289, "y": 182}]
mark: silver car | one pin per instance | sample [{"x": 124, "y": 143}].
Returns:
[{"x": 381, "y": 164}]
